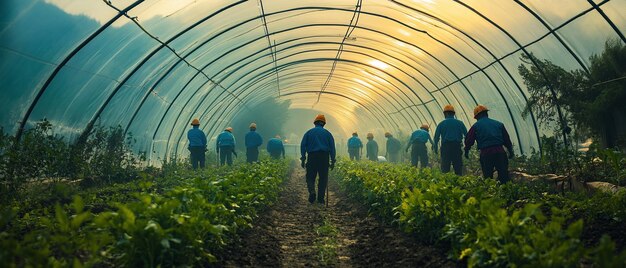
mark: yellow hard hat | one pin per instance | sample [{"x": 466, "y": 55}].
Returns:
[
  {"x": 253, "y": 125},
  {"x": 195, "y": 122},
  {"x": 370, "y": 135},
  {"x": 425, "y": 127},
  {"x": 387, "y": 134},
  {"x": 229, "y": 129},
  {"x": 448, "y": 108},
  {"x": 320, "y": 117},
  {"x": 479, "y": 109}
]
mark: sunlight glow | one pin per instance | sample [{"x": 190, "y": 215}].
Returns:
[{"x": 379, "y": 64}]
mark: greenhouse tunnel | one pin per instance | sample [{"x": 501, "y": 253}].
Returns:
[{"x": 375, "y": 66}]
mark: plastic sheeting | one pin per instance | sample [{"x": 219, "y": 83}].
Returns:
[{"x": 151, "y": 66}]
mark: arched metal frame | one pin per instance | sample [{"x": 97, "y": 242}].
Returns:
[{"x": 552, "y": 31}]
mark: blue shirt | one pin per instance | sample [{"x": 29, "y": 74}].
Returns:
[
  {"x": 420, "y": 136},
  {"x": 355, "y": 142},
  {"x": 253, "y": 139},
  {"x": 450, "y": 130},
  {"x": 488, "y": 133},
  {"x": 393, "y": 145},
  {"x": 225, "y": 139},
  {"x": 196, "y": 137},
  {"x": 275, "y": 145},
  {"x": 318, "y": 139},
  {"x": 371, "y": 150}
]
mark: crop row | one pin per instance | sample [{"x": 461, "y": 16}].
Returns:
[
  {"x": 181, "y": 219},
  {"x": 486, "y": 223}
]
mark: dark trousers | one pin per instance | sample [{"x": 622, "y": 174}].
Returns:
[
  {"x": 354, "y": 154},
  {"x": 451, "y": 155},
  {"x": 394, "y": 157},
  {"x": 419, "y": 153},
  {"x": 197, "y": 157},
  {"x": 226, "y": 155},
  {"x": 497, "y": 161},
  {"x": 275, "y": 155},
  {"x": 317, "y": 163},
  {"x": 252, "y": 154}
]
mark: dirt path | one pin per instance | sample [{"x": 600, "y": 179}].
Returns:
[{"x": 293, "y": 232}]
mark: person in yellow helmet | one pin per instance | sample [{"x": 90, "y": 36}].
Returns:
[
  {"x": 490, "y": 135},
  {"x": 197, "y": 144},
  {"x": 371, "y": 148},
  {"x": 451, "y": 131},
  {"x": 417, "y": 143},
  {"x": 393, "y": 148},
  {"x": 319, "y": 144}
]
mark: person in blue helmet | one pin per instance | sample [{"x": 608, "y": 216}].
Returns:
[
  {"x": 490, "y": 135},
  {"x": 253, "y": 141},
  {"x": 225, "y": 146},
  {"x": 417, "y": 143},
  {"x": 355, "y": 146},
  {"x": 319, "y": 145},
  {"x": 275, "y": 147},
  {"x": 197, "y": 144},
  {"x": 451, "y": 131}
]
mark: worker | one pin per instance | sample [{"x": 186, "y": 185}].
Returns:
[
  {"x": 417, "y": 143},
  {"x": 451, "y": 131},
  {"x": 393, "y": 148},
  {"x": 355, "y": 146},
  {"x": 197, "y": 144},
  {"x": 371, "y": 148},
  {"x": 253, "y": 141},
  {"x": 319, "y": 144},
  {"x": 490, "y": 135},
  {"x": 225, "y": 146},
  {"x": 275, "y": 147}
]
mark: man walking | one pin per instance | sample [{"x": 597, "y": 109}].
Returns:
[
  {"x": 451, "y": 132},
  {"x": 253, "y": 141},
  {"x": 417, "y": 143},
  {"x": 371, "y": 148},
  {"x": 393, "y": 148},
  {"x": 319, "y": 144},
  {"x": 490, "y": 135},
  {"x": 275, "y": 147},
  {"x": 355, "y": 146},
  {"x": 197, "y": 144},
  {"x": 225, "y": 146}
]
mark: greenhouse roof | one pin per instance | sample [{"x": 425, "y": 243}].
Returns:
[{"x": 152, "y": 66}]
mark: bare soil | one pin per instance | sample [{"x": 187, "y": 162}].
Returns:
[{"x": 285, "y": 235}]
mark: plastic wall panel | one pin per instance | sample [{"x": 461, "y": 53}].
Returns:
[
  {"x": 34, "y": 38},
  {"x": 130, "y": 95},
  {"x": 588, "y": 34},
  {"x": 522, "y": 25},
  {"x": 615, "y": 11},
  {"x": 557, "y": 12},
  {"x": 549, "y": 48}
]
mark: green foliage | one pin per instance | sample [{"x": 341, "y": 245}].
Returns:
[
  {"x": 326, "y": 243},
  {"x": 593, "y": 101},
  {"x": 43, "y": 157},
  {"x": 484, "y": 222},
  {"x": 182, "y": 220}
]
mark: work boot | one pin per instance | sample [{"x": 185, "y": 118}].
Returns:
[{"x": 311, "y": 198}]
